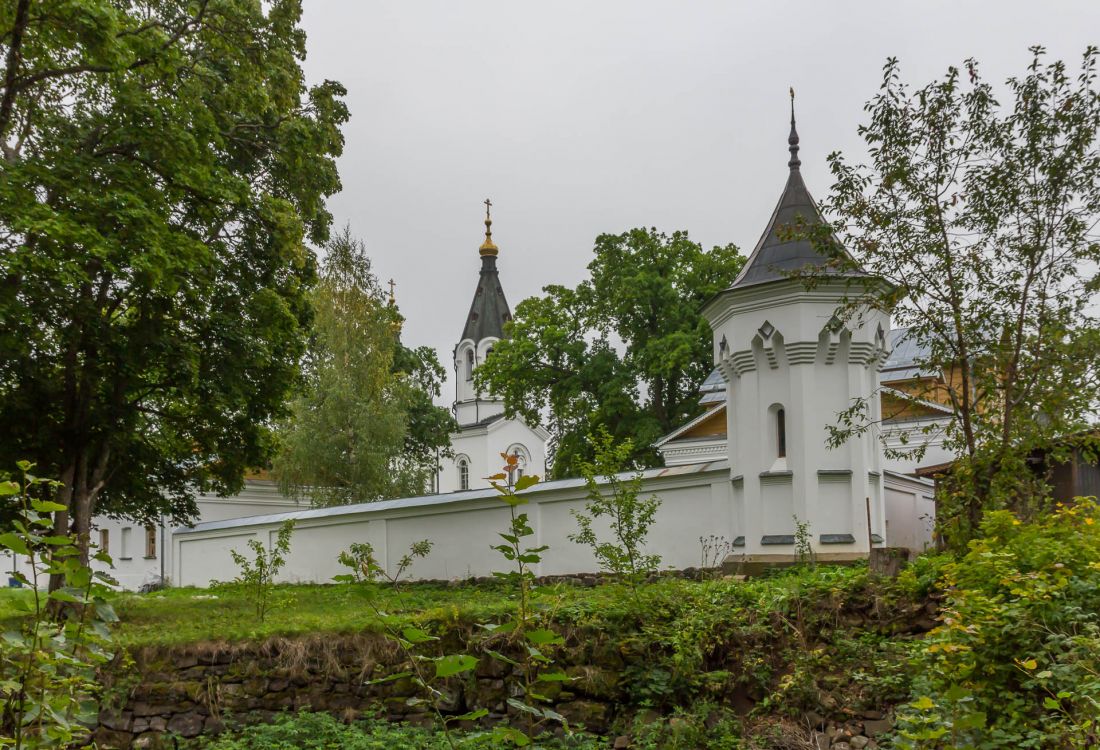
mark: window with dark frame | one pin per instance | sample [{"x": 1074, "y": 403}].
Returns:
[
  {"x": 105, "y": 541},
  {"x": 150, "y": 542},
  {"x": 469, "y": 364},
  {"x": 463, "y": 475},
  {"x": 781, "y": 433}
]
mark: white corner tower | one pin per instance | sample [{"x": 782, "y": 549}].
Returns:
[
  {"x": 483, "y": 431},
  {"x": 792, "y": 365}
]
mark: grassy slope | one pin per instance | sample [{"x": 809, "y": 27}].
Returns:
[{"x": 190, "y": 615}]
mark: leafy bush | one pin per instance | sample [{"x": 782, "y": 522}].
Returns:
[
  {"x": 48, "y": 663},
  {"x": 258, "y": 574},
  {"x": 1016, "y": 662},
  {"x": 360, "y": 559},
  {"x": 616, "y": 500},
  {"x": 535, "y": 645},
  {"x": 703, "y": 727},
  {"x": 318, "y": 731}
]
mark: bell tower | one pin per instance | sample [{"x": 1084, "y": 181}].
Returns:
[
  {"x": 484, "y": 327},
  {"x": 483, "y": 431}
]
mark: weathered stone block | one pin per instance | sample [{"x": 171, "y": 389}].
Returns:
[
  {"x": 186, "y": 725},
  {"x": 591, "y": 714},
  {"x": 875, "y": 727},
  {"x": 105, "y": 737},
  {"x": 118, "y": 720}
]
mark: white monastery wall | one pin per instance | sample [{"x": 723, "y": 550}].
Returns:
[
  {"x": 696, "y": 501},
  {"x": 463, "y": 527},
  {"x": 910, "y": 513}
]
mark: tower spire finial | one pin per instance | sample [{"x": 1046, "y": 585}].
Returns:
[
  {"x": 792, "y": 140},
  {"x": 487, "y": 247},
  {"x": 393, "y": 299}
]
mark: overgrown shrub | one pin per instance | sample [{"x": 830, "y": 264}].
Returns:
[
  {"x": 319, "y": 731},
  {"x": 616, "y": 500},
  {"x": 257, "y": 576},
  {"x": 1016, "y": 661},
  {"x": 48, "y": 662}
]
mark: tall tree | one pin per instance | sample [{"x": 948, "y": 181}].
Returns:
[
  {"x": 164, "y": 165},
  {"x": 625, "y": 351},
  {"x": 364, "y": 427},
  {"x": 983, "y": 217}
]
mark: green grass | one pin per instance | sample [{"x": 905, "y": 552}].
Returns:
[
  {"x": 668, "y": 610},
  {"x": 188, "y": 615}
]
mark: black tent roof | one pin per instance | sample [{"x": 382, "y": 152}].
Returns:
[
  {"x": 775, "y": 258},
  {"x": 489, "y": 310}
]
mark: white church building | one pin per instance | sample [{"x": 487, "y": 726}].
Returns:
[
  {"x": 483, "y": 432},
  {"x": 749, "y": 469}
]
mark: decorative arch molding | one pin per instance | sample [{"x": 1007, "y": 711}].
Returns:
[
  {"x": 768, "y": 346},
  {"x": 462, "y": 466},
  {"x": 833, "y": 341},
  {"x": 485, "y": 346},
  {"x": 523, "y": 456}
]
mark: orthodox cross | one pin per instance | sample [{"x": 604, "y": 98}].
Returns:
[{"x": 488, "y": 205}]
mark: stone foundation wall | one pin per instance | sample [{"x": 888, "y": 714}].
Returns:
[{"x": 193, "y": 691}]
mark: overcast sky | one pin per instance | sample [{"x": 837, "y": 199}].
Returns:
[{"x": 579, "y": 118}]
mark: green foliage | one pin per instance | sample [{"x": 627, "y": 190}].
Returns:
[
  {"x": 646, "y": 290},
  {"x": 317, "y": 731},
  {"x": 981, "y": 217},
  {"x": 257, "y": 576},
  {"x": 364, "y": 566},
  {"x": 364, "y": 428},
  {"x": 535, "y": 644},
  {"x": 164, "y": 166},
  {"x": 412, "y": 640},
  {"x": 48, "y": 664},
  {"x": 702, "y": 727},
  {"x": 616, "y": 500},
  {"x": 1016, "y": 660},
  {"x": 803, "y": 542}
]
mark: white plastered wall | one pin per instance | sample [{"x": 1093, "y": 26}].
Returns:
[{"x": 462, "y": 528}]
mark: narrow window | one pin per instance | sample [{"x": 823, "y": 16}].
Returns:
[
  {"x": 105, "y": 541},
  {"x": 150, "y": 542},
  {"x": 124, "y": 547},
  {"x": 781, "y": 433},
  {"x": 469, "y": 364},
  {"x": 463, "y": 474}
]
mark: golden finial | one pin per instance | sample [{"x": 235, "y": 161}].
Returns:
[
  {"x": 487, "y": 247},
  {"x": 393, "y": 300}
]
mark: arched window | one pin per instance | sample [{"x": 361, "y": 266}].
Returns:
[
  {"x": 781, "y": 432},
  {"x": 463, "y": 474},
  {"x": 522, "y": 460},
  {"x": 469, "y": 364}
]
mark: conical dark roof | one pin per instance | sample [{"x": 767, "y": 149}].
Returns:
[
  {"x": 774, "y": 258},
  {"x": 489, "y": 310}
]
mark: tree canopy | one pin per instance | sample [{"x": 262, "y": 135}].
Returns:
[
  {"x": 364, "y": 426},
  {"x": 982, "y": 216},
  {"x": 164, "y": 165},
  {"x": 625, "y": 351}
]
